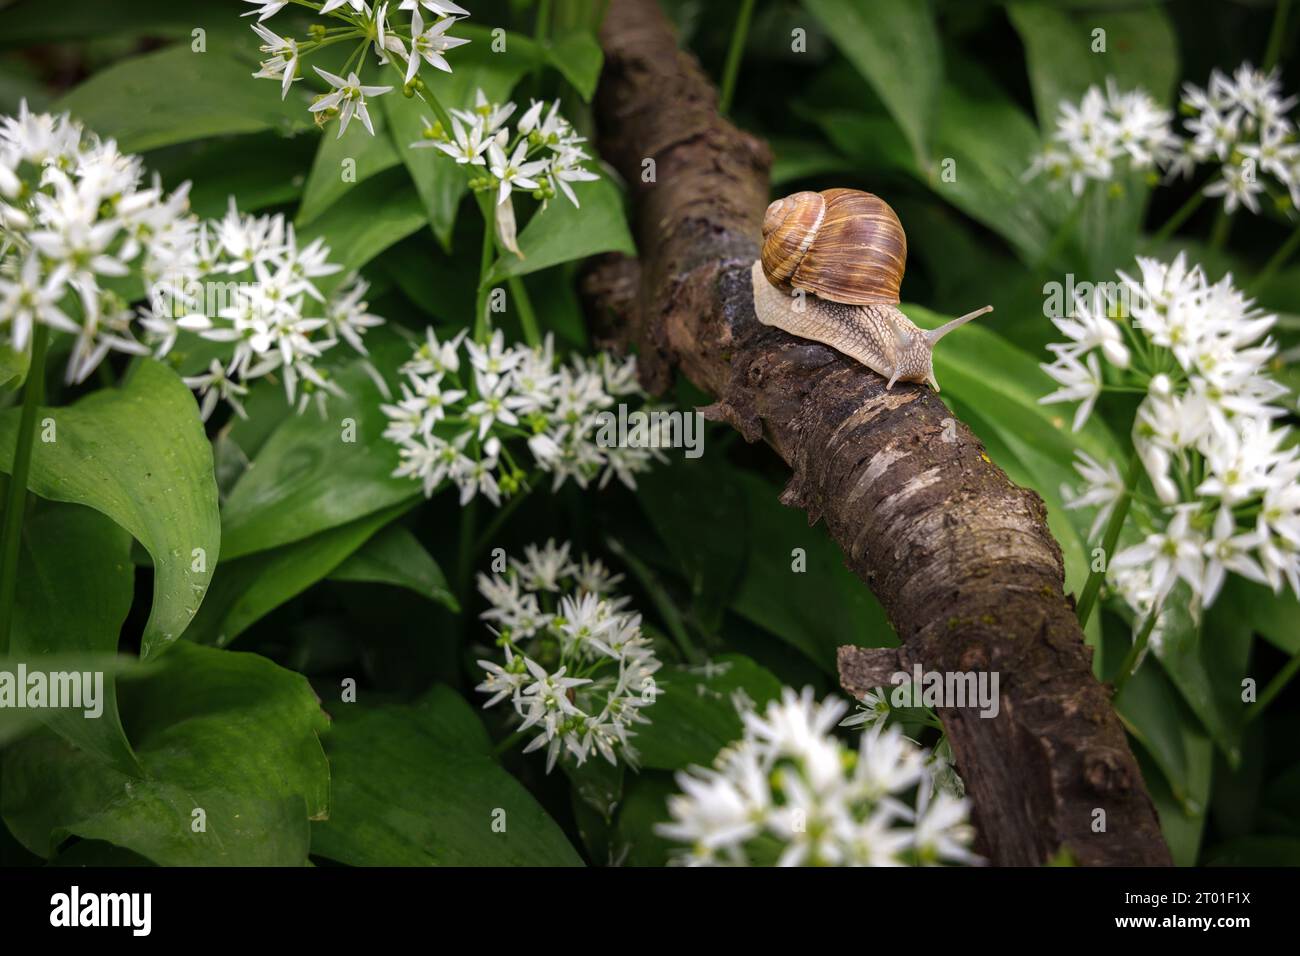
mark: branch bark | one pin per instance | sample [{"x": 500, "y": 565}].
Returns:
[{"x": 959, "y": 556}]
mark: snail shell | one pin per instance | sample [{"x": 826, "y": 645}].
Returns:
[{"x": 830, "y": 271}]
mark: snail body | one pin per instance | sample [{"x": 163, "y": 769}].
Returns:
[{"x": 830, "y": 271}]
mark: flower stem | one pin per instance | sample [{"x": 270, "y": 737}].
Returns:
[
  {"x": 1275, "y": 36},
  {"x": 1181, "y": 216},
  {"x": 11, "y": 536},
  {"x": 1275, "y": 686},
  {"x": 1279, "y": 258},
  {"x": 482, "y": 328},
  {"x": 543, "y": 25},
  {"x": 507, "y": 743},
  {"x": 668, "y": 611},
  {"x": 465, "y": 559},
  {"x": 1134, "y": 656},
  {"x": 734, "y": 54},
  {"x": 1092, "y": 587},
  {"x": 1062, "y": 236},
  {"x": 527, "y": 317},
  {"x": 1222, "y": 226}
]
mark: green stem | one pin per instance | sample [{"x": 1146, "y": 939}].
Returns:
[
  {"x": 506, "y": 743},
  {"x": 11, "y": 535},
  {"x": 1274, "y": 51},
  {"x": 1063, "y": 233},
  {"x": 1279, "y": 258},
  {"x": 734, "y": 54},
  {"x": 543, "y": 25},
  {"x": 1222, "y": 226},
  {"x": 465, "y": 558},
  {"x": 1275, "y": 686},
  {"x": 672, "y": 618},
  {"x": 1181, "y": 216},
  {"x": 1134, "y": 655},
  {"x": 527, "y": 317},
  {"x": 501, "y": 517},
  {"x": 1092, "y": 587},
  {"x": 482, "y": 328}
]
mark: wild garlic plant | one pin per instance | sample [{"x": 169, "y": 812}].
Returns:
[
  {"x": 456, "y": 421},
  {"x": 543, "y": 156},
  {"x": 1238, "y": 124},
  {"x": 576, "y": 669},
  {"x": 403, "y": 46},
  {"x": 1220, "y": 493},
  {"x": 1108, "y": 132},
  {"x": 83, "y": 230},
  {"x": 791, "y": 793}
]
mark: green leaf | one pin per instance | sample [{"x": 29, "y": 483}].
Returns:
[
  {"x": 29, "y": 23},
  {"x": 634, "y": 841},
  {"x": 578, "y": 57},
  {"x": 369, "y": 155},
  {"x": 563, "y": 232},
  {"x": 417, "y": 785},
  {"x": 16, "y": 722},
  {"x": 1273, "y": 850},
  {"x": 13, "y": 367},
  {"x": 218, "y": 170},
  {"x": 439, "y": 181},
  {"x": 230, "y": 734},
  {"x": 306, "y": 479},
  {"x": 598, "y": 785},
  {"x": 895, "y": 46},
  {"x": 395, "y": 556},
  {"x": 77, "y": 584},
  {"x": 1273, "y": 616},
  {"x": 139, "y": 455},
  {"x": 690, "y": 503},
  {"x": 1207, "y": 662},
  {"x": 1182, "y": 821},
  {"x": 246, "y": 590},
  {"x": 696, "y": 715},
  {"x": 369, "y": 218},
  {"x": 991, "y": 143},
  {"x": 175, "y": 95},
  {"x": 815, "y": 610}
]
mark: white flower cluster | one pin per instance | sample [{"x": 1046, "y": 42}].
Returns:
[
  {"x": 82, "y": 237},
  {"x": 1226, "y": 497},
  {"x": 791, "y": 793},
  {"x": 543, "y": 156},
  {"x": 1240, "y": 123},
  {"x": 1096, "y": 138},
  {"x": 456, "y": 427},
  {"x": 357, "y": 22},
  {"x": 246, "y": 283},
  {"x": 577, "y": 671},
  {"x": 79, "y": 227}
]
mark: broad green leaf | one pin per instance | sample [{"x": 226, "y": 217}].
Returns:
[
  {"x": 1206, "y": 660},
  {"x": 894, "y": 44},
  {"x": 695, "y": 716},
  {"x": 306, "y": 478},
  {"x": 232, "y": 735},
  {"x": 804, "y": 159},
  {"x": 343, "y": 162},
  {"x": 579, "y": 58},
  {"x": 175, "y": 95},
  {"x": 76, "y": 588},
  {"x": 139, "y": 455},
  {"x": 1182, "y": 821},
  {"x": 1151, "y": 711},
  {"x": 1141, "y": 51},
  {"x": 1273, "y": 616},
  {"x": 13, "y": 368},
  {"x": 245, "y": 590},
  {"x": 417, "y": 785},
  {"x": 394, "y": 556},
  {"x": 29, "y": 23},
  {"x": 815, "y": 610},
  {"x": 634, "y": 841},
  {"x": 689, "y": 503},
  {"x": 439, "y": 181},
  {"x": 991, "y": 143},
  {"x": 563, "y": 232},
  {"x": 368, "y": 219},
  {"x": 16, "y": 721},
  {"x": 596, "y": 784},
  {"x": 218, "y": 170}
]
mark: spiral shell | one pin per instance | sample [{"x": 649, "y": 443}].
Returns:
[{"x": 843, "y": 245}]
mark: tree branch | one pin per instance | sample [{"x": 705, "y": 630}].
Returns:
[{"x": 959, "y": 556}]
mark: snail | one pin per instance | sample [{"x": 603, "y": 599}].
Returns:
[{"x": 830, "y": 270}]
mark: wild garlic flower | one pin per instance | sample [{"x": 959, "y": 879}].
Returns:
[
  {"x": 1240, "y": 124},
  {"x": 77, "y": 218},
  {"x": 543, "y": 155},
  {"x": 1223, "y": 478},
  {"x": 247, "y": 284},
  {"x": 423, "y": 39},
  {"x": 577, "y": 670},
  {"x": 462, "y": 406},
  {"x": 1105, "y": 133},
  {"x": 790, "y": 793}
]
